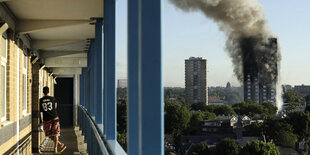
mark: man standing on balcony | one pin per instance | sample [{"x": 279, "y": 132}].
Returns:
[{"x": 50, "y": 119}]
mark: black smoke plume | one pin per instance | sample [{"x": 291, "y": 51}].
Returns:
[{"x": 246, "y": 28}]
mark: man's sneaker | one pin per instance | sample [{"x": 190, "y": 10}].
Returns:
[{"x": 62, "y": 148}]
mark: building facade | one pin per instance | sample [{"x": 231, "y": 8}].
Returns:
[
  {"x": 302, "y": 89},
  {"x": 196, "y": 80},
  {"x": 256, "y": 87},
  {"x": 22, "y": 81}
]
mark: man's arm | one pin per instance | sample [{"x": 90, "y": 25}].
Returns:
[{"x": 41, "y": 117}]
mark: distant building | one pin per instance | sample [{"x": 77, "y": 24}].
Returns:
[
  {"x": 122, "y": 83},
  {"x": 302, "y": 89},
  {"x": 228, "y": 85},
  {"x": 196, "y": 80},
  {"x": 215, "y": 101},
  {"x": 286, "y": 88}
]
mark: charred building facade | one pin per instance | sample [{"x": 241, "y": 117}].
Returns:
[{"x": 259, "y": 70}]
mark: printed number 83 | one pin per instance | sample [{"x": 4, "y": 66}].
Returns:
[{"x": 47, "y": 106}]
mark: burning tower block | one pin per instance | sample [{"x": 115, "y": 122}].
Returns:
[{"x": 260, "y": 69}]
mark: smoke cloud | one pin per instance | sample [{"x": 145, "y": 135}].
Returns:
[
  {"x": 241, "y": 19},
  {"x": 247, "y": 30}
]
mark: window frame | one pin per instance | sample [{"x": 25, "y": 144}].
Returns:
[
  {"x": 4, "y": 63},
  {"x": 25, "y": 84}
]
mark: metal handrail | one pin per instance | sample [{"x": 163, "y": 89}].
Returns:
[{"x": 104, "y": 147}]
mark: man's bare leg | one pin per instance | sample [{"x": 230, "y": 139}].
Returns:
[{"x": 56, "y": 143}]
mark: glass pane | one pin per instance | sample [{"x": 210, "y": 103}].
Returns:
[
  {"x": 3, "y": 106},
  {"x": 3, "y": 47},
  {"x": 25, "y": 92},
  {"x": 25, "y": 62}
]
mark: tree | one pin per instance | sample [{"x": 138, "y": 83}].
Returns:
[
  {"x": 291, "y": 97},
  {"x": 301, "y": 124},
  {"x": 286, "y": 138},
  {"x": 195, "y": 123},
  {"x": 227, "y": 146},
  {"x": 196, "y": 120},
  {"x": 198, "y": 106},
  {"x": 273, "y": 129},
  {"x": 249, "y": 108},
  {"x": 270, "y": 109},
  {"x": 220, "y": 110},
  {"x": 254, "y": 129},
  {"x": 177, "y": 117},
  {"x": 122, "y": 140},
  {"x": 208, "y": 115},
  {"x": 259, "y": 148},
  {"x": 307, "y": 98},
  {"x": 122, "y": 116},
  {"x": 201, "y": 148}
]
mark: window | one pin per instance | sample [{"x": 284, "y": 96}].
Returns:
[
  {"x": 25, "y": 84},
  {"x": 3, "y": 75},
  {"x": 40, "y": 83}
]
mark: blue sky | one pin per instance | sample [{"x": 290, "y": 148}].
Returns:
[{"x": 186, "y": 34}]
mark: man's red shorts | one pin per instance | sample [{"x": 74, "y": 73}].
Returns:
[{"x": 52, "y": 127}]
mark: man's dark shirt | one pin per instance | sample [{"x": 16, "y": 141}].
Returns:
[{"x": 48, "y": 107}]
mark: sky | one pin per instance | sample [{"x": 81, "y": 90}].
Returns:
[{"x": 186, "y": 34}]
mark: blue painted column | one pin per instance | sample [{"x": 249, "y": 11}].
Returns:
[
  {"x": 109, "y": 97},
  {"x": 145, "y": 113},
  {"x": 84, "y": 70},
  {"x": 88, "y": 82},
  {"x": 92, "y": 79},
  {"x": 99, "y": 71},
  {"x": 82, "y": 88},
  {"x": 133, "y": 99}
]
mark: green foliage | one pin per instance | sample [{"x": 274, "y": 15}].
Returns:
[
  {"x": 227, "y": 147},
  {"x": 273, "y": 129},
  {"x": 291, "y": 108},
  {"x": 270, "y": 109},
  {"x": 306, "y": 151},
  {"x": 259, "y": 148},
  {"x": 217, "y": 109},
  {"x": 220, "y": 110},
  {"x": 248, "y": 108},
  {"x": 196, "y": 120},
  {"x": 307, "y": 98},
  {"x": 198, "y": 107},
  {"x": 177, "y": 117},
  {"x": 122, "y": 140},
  {"x": 286, "y": 138},
  {"x": 208, "y": 115},
  {"x": 201, "y": 148},
  {"x": 251, "y": 108},
  {"x": 254, "y": 129},
  {"x": 122, "y": 116},
  {"x": 291, "y": 97},
  {"x": 195, "y": 123},
  {"x": 301, "y": 124}
]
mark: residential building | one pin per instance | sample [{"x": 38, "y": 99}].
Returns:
[
  {"x": 302, "y": 89},
  {"x": 215, "y": 101},
  {"x": 196, "y": 80},
  {"x": 256, "y": 87}
]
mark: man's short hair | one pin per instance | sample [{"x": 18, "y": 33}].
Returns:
[{"x": 46, "y": 90}]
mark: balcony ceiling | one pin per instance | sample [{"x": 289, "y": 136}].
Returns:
[{"x": 56, "y": 25}]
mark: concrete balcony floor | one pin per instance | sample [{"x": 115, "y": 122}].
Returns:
[{"x": 71, "y": 137}]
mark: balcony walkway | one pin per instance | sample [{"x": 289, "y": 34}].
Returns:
[{"x": 72, "y": 138}]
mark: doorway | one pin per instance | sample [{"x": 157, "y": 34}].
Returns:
[{"x": 64, "y": 95}]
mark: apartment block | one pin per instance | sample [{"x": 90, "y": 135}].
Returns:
[
  {"x": 196, "y": 80},
  {"x": 18, "y": 96}
]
